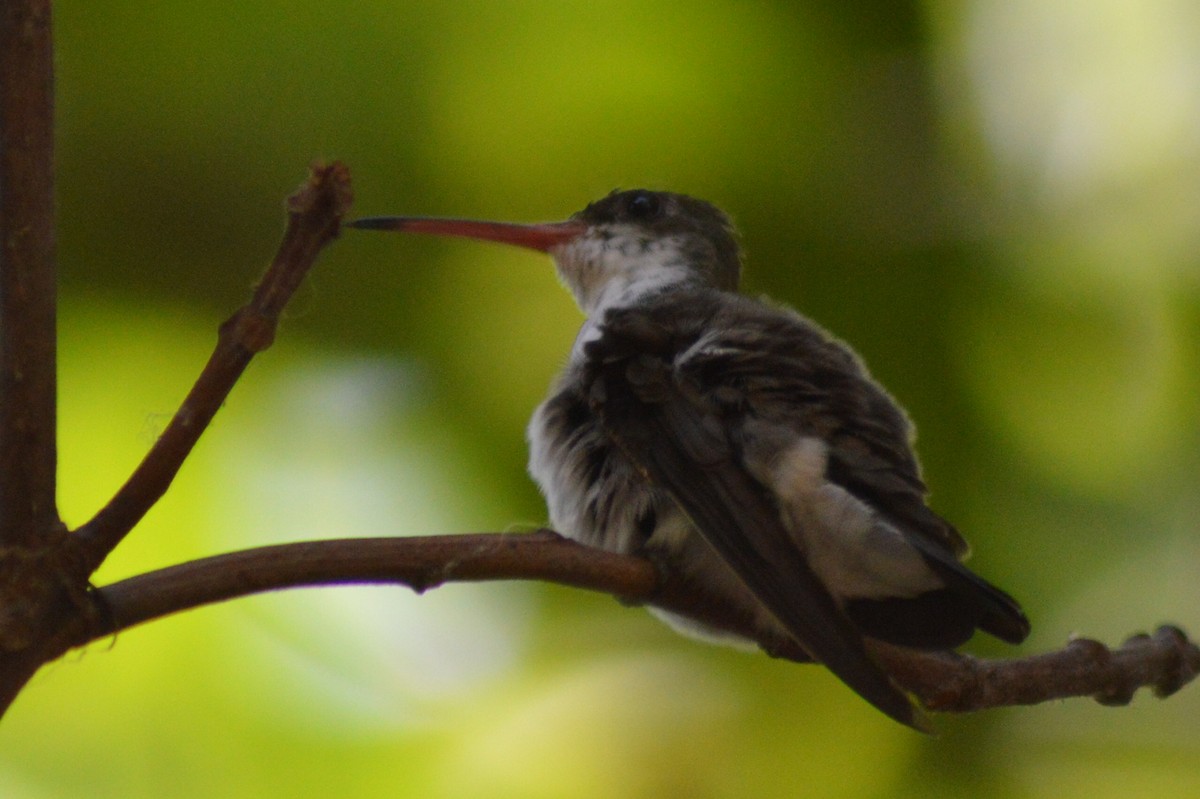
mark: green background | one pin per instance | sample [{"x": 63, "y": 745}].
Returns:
[{"x": 997, "y": 203}]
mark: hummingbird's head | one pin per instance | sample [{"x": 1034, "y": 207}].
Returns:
[
  {"x": 640, "y": 241},
  {"x": 616, "y": 250}
]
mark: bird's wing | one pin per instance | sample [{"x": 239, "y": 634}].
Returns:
[
  {"x": 796, "y": 376},
  {"x": 678, "y": 434}
]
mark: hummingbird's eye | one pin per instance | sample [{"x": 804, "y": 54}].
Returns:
[{"x": 643, "y": 205}]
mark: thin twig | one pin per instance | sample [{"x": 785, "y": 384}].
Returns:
[
  {"x": 314, "y": 218},
  {"x": 28, "y": 455},
  {"x": 944, "y": 681}
]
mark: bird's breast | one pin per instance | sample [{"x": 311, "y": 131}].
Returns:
[{"x": 594, "y": 494}]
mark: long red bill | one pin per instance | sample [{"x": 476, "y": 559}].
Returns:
[{"x": 542, "y": 237}]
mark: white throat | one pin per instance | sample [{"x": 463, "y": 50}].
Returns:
[{"x": 619, "y": 267}]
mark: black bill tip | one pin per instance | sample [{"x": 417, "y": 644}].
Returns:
[{"x": 378, "y": 223}]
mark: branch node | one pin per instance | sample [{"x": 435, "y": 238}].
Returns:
[
  {"x": 249, "y": 330},
  {"x": 427, "y": 580},
  {"x": 1183, "y": 660},
  {"x": 32, "y": 583}
]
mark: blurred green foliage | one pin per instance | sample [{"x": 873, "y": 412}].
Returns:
[{"x": 996, "y": 202}]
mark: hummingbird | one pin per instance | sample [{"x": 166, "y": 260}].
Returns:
[{"x": 737, "y": 445}]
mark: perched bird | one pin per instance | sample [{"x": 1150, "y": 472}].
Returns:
[{"x": 738, "y": 446}]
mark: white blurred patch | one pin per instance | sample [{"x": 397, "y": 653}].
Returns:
[
  {"x": 1087, "y": 93},
  {"x": 339, "y": 450}
]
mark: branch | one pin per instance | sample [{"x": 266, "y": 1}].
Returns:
[
  {"x": 944, "y": 681},
  {"x": 315, "y": 211},
  {"x": 36, "y": 572},
  {"x": 419, "y": 563},
  {"x": 28, "y": 456}
]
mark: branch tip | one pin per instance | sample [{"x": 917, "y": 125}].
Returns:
[{"x": 327, "y": 191}]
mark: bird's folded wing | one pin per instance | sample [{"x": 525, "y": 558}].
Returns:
[{"x": 680, "y": 443}]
